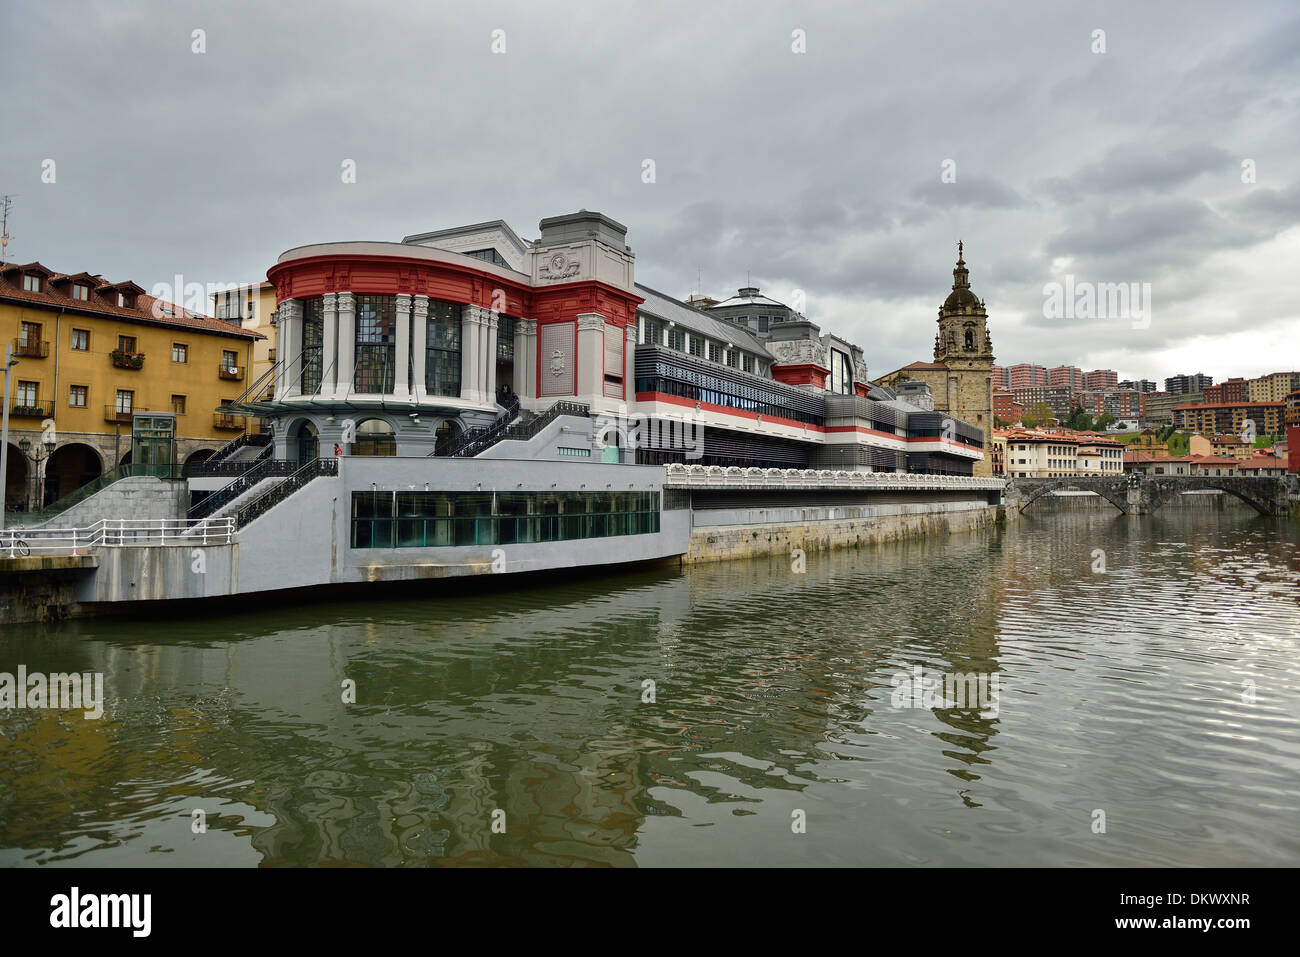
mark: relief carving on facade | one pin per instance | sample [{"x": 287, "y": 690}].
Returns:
[{"x": 558, "y": 266}]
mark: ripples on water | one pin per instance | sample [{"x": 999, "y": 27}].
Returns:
[{"x": 1120, "y": 692}]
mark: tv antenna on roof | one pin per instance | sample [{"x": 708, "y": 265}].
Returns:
[{"x": 5, "y": 202}]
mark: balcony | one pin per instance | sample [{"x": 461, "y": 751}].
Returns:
[
  {"x": 32, "y": 410},
  {"x": 232, "y": 423},
  {"x": 32, "y": 348},
  {"x": 233, "y": 373},
  {"x": 113, "y": 414},
  {"x": 126, "y": 360}
]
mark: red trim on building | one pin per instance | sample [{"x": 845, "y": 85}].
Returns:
[
  {"x": 387, "y": 275},
  {"x": 803, "y": 373},
  {"x": 726, "y": 410},
  {"x": 753, "y": 416}
]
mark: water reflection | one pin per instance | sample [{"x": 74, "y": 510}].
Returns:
[{"x": 772, "y": 691}]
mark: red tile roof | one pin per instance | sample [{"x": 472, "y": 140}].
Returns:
[
  {"x": 919, "y": 367},
  {"x": 1226, "y": 405},
  {"x": 147, "y": 311}
]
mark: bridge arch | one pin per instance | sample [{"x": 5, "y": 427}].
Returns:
[
  {"x": 1161, "y": 492},
  {"x": 1114, "y": 491}
]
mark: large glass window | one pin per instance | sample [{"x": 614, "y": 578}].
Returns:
[
  {"x": 505, "y": 339},
  {"x": 841, "y": 373},
  {"x": 372, "y": 519},
  {"x": 432, "y": 519},
  {"x": 376, "y": 344},
  {"x": 313, "y": 335},
  {"x": 442, "y": 349}
]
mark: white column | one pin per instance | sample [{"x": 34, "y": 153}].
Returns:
[
  {"x": 402, "y": 378},
  {"x": 490, "y": 324},
  {"x": 420, "y": 344},
  {"x": 591, "y": 359},
  {"x": 329, "y": 346},
  {"x": 471, "y": 355},
  {"x": 347, "y": 342},
  {"x": 525, "y": 358},
  {"x": 629, "y": 365},
  {"x": 288, "y": 348}
]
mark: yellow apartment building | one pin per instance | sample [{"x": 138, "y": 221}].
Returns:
[
  {"x": 1274, "y": 387},
  {"x": 1220, "y": 446},
  {"x": 1230, "y": 417},
  {"x": 91, "y": 353},
  {"x": 253, "y": 307}
]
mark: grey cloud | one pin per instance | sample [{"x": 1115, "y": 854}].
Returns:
[{"x": 818, "y": 170}]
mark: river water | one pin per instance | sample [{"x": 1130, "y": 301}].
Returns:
[{"x": 1144, "y": 715}]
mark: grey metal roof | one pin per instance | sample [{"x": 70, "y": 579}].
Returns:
[
  {"x": 748, "y": 301},
  {"x": 520, "y": 244},
  {"x": 666, "y": 307}
]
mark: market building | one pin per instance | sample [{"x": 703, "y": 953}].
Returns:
[{"x": 410, "y": 348}]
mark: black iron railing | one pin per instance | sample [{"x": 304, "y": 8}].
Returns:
[
  {"x": 218, "y": 462},
  {"x": 274, "y": 496},
  {"x": 475, "y": 441},
  {"x": 266, "y": 468}
]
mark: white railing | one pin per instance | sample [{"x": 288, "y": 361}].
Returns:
[
  {"x": 115, "y": 533},
  {"x": 716, "y": 476}
]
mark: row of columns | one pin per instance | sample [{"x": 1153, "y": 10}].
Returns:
[
  {"x": 478, "y": 348},
  {"x": 479, "y": 336}
]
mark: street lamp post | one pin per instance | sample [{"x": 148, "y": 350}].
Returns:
[
  {"x": 42, "y": 454},
  {"x": 10, "y": 362}
]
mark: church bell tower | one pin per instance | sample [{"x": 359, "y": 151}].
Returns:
[{"x": 963, "y": 345}]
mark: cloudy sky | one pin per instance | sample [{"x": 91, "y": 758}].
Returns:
[{"x": 821, "y": 171}]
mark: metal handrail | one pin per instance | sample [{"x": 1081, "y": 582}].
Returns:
[
  {"x": 474, "y": 441},
  {"x": 116, "y": 533},
  {"x": 217, "y": 461},
  {"x": 282, "y": 490},
  {"x": 471, "y": 441},
  {"x": 262, "y": 469}
]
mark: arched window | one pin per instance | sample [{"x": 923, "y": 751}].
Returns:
[
  {"x": 308, "y": 443},
  {"x": 447, "y": 432},
  {"x": 374, "y": 438},
  {"x": 970, "y": 340}
]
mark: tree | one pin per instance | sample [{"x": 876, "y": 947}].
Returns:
[
  {"x": 1040, "y": 413},
  {"x": 1080, "y": 420},
  {"x": 1103, "y": 422}
]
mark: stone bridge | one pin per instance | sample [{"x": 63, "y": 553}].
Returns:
[{"x": 1137, "y": 494}]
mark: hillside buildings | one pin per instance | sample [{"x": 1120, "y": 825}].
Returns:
[{"x": 1187, "y": 384}]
